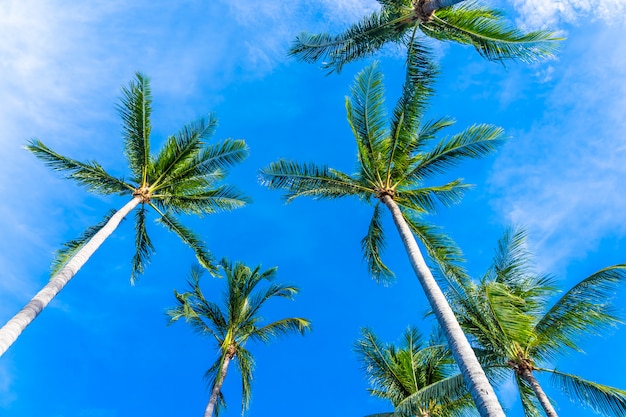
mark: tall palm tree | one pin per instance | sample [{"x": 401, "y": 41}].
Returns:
[
  {"x": 402, "y": 21},
  {"x": 393, "y": 165},
  {"x": 181, "y": 178},
  {"x": 510, "y": 316},
  {"x": 235, "y": 322},
  {"x": 419, "y": 378}
]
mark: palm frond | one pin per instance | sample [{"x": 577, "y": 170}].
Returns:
[
  {"x": 90, "y": 175},
  {"x": 475, "y": 142},
  {"x": 601, "y": 398},
  {"x": 281, "y": 327},
  {"x": 585, "y": 310},
  {"x": 143, "y": 245},
  {"x": 309, "y": 180},
  {"x": 189, "y": 238},
  {"x": 425, "y": 200},
  {"x": 205, "y": 201},
  {"x": 444, "y": 391},
  {"x": 530, "y": 403},
  {"x": 135, "y": 109},
  {"x": 487, "y": 31},
  {"x": 245, "y": 363},
  {"x": 70, "y": 248},
  {"x": 373, "y": 244}
]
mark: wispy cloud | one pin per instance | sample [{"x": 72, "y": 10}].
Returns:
[
  {"x": 563, "y": 176},
  {"x": 551, "y": 13}
]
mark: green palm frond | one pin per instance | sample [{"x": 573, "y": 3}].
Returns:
[
  {"x": 90, "y": 175},
  {"x": 135, "y": 109},
  {"x": 203, "y": 255},
  {"x": 143, "y": 245},
  {"x": 585, "y": 310},
  {"x": 281, "y": 327},
  {"x": 206, "y": 201},
  {"x": 245, "y": 363},
  {"x": 530, "y": 404},
  {"x": 309, "y": 180},
  {"x": 70, "y": 248},
  {"x": 447, "y": 391},
  {"x": 475, "y": 142},
  {"x": 601, "y": 398},
  {"x": 179, "y": 148},
  {"x": 372, "y": 245},
  {"x": 487, "y": 31},
  {"x": 426, "y": 199}
]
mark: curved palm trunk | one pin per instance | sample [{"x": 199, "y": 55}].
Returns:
[
  {"x": 477, "y": 383},
  {"x": 16, "y": 325},
  {"x": 527, "y": 375},
  {"x": 430, "y": 6},
  {"x": 217, "y": 387}
]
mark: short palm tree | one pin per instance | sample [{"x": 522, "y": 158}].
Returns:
[
  {"x": 181, "y": 179},
  {"x": 419, "y": 378},
  {"x": 510, "y": 316},
  {"x": 393, "y": 166},
  {"x": 235, "y": 322},
  {"x": 402, "y": 21}
]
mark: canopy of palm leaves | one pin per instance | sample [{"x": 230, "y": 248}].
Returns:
[
  {"x": 398, "y": 160},
  {"x": 511, "y": 316},
  {"x": 401, "y": 22},
  {"x": 182, "y": 178},
  {"x": 419, "y": 378},
  {"x": 236, "y": 320}
]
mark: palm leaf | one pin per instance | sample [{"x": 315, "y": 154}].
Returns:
[
  {"x": 206, "y": 201},
  {"x": 90, "y": 175},
  {"x": 373, "y": 244},
  {"x": 143, "y": 246},
  {"x": 601, "y": 398},
  {"x": 280, "y": 328},
  {"x": 70, "y": 248},
  {"x": 135, "y": 108}
]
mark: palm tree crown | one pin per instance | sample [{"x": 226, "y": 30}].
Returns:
[
  {"x": 235, "y": 322},
  {"x": 182, "y": 178},
  {"x": 393, "y": 167},
  {"x": 419, "y": 378},
  {"x": 510, "y": 315},
  {"x": 401, "y": 21}
]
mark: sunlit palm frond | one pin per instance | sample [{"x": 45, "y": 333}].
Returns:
[
  {"x": 585, "y": 310},
  {"x": 424, "y": 200},
  {"x": 143, "y": 245},
  {"x": 281, "y": 327},
  {"x": 490, "y": 34},
  {"x": 179, "y": 148},
  {"x": 135, "y": 109},
  {"x": 309, "y": 180},
  {"x": 373, "y": 244},
  {"x": 477, "y": 141},
  {"x": 530, "y": 404},
  {"x": 245, "y": 363},
  {"x": 70, "y": 248},
  {"x": 445, "y": 391},
  {"x": 601, "y": 398},
  {"x": 90, "y": 175},
  {"x": 203, "y": 255},
  {"x": 204, "y": 201}
]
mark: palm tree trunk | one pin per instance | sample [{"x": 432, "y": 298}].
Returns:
[
  {"x": 217, "y": 387},
  {"x": 527, "y": 375},
  {"x": 15, "y": 326},
  {"x": 481, "y": 391},
  {"x": 430, "y": 6}
]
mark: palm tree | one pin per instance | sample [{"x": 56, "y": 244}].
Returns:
[
  {"x": 419, "y": 378},
  {"x": 235, "y": 322},
  {"x": 510, "y": 317},
  {"x": 180, "y": 179},
  {"x": 401, "y": 21},
  {"x": 393, "y": 165}
]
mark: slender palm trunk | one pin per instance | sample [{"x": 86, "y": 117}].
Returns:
[
  {"x": 217, "y": 387},
  {"x": 15, "y": 326},
  {"x": 430, "y": 6},
  {"x": 481, "y": 391},
  {"x": 527, "y": 375}
]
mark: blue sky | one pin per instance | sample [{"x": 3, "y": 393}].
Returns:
[{"x": 102, "y": 348}]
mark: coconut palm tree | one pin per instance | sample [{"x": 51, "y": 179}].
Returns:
[
  {"x": 235, "y": 322},
  {"x": 419, "y": 378},
  {"x": 182, "y": 178},
  {"x": 510, "y": 315},
  {"x": 402, "y": 22},
  {"x": 393, "y": 165}
]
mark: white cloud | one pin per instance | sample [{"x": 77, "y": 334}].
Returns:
[
  {"x": 563, "y": 177},
  {"x": 549, "y": 13}
]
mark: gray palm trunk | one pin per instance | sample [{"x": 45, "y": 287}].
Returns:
[
  {"x": 430, "y": 6},
  {"x": 217, "y": 387},
  {"x": 527, "y": 375},
  {"x": 16, "y": 325},
  {"x": 477, "y": 383}
]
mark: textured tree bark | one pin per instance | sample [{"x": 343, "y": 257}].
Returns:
[
  {"x": 477, "y": 383},
  {"x": 217, "y": 387},
  {"x": 16, "y": 325},
  {"x": 528, "y": 376}
]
